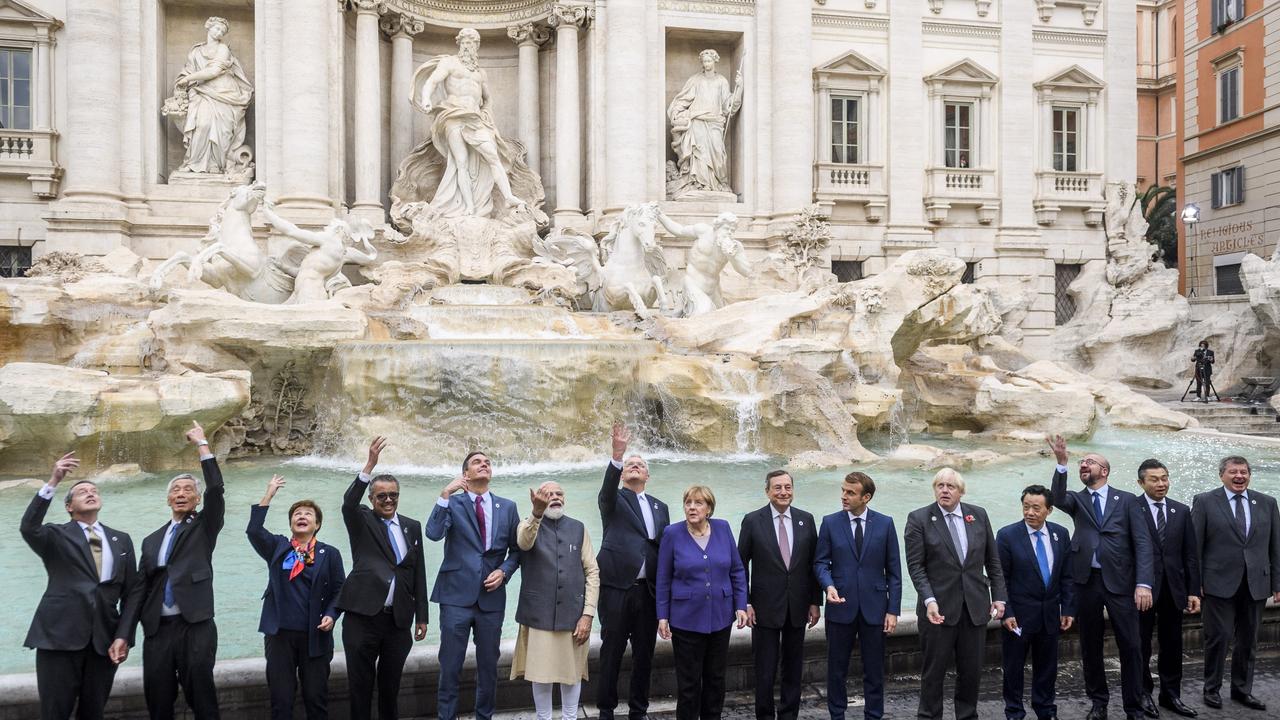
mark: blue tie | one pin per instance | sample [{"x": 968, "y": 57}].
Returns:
[
  {"x": 1043, "y": 558},
  {"x": 391, "y": 538},
  {"x": 168, "y": 584},
  {"x": 1097, "y": 507}
]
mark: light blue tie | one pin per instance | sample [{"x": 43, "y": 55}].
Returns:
[
  {"x": 1042, "y": 556},
  {"x": 391, "y": 538},
  {"x": 164, "y": 562}
]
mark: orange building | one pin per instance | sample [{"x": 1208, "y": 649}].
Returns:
[
  {"x": 1230, "y": 144},
  {"x": 1159, "y": 39}
]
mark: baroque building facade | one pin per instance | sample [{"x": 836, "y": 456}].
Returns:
[{"x": 987, "y": 128}]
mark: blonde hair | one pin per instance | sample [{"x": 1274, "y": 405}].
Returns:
[
  {"x": 703, "y": 493},
  {"x": 947, "y": 473}
]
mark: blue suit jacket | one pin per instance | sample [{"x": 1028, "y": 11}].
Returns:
[
  {"x": 1036, "y": 607},
  {"x": 466, "y": 563},
  {"x": 699, "y": 590},
  {"x": 328, "y": 578},
  {"x": 871, "y": 585}
]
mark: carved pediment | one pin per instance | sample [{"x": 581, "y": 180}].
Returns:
[
  {"x": 964, "y": 72},
  {"x": 20, "y": 13},
  {"x": 1074, "y": 78},
  {"x": 851, "y": 63}
]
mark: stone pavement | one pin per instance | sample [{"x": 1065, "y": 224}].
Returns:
[{"x": 901, "y": 695}]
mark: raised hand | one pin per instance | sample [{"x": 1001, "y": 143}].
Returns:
[
  {"x": 375, "y": 451},
  {"x": 539, "y": 499},
  {"x": 621, "y": 438},
  {"x": 273, "y": 486},
  {"x": 63, "y": 467},
  {"x": 196, "y": 434},
  {"x": 1058, "y": 445},
  {"x": 458, "y": 483}
]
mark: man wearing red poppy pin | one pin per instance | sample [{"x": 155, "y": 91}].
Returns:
[{"x": 300, "y": 606}]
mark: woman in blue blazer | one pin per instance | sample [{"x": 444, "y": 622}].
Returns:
[
  {"x": 299, "y": 607},
  {"x": 702, "y": 589}
]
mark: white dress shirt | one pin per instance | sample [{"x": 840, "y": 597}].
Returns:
[
  {"x": 1231, "y": 506},
  {"x": 959, "y": 522},
  {"x": 786, "y": 521},
  {"x": 853, "y": 525},
  {"x": 108, "y": 560},
  {"x": 401, "y": 545},
  {"x": 169, "y": 536},
  {"x": 647, "y": 513},
  {"x": 1155, "y": 512},
  {"x": 1048, "y": 541}
]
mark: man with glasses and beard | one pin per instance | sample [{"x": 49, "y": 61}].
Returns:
[{"x": 385, "y": 592}]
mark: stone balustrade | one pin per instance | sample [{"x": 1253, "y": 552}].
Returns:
[
  {"x": 1056, "y": 189},
  {"x": 30, "y": 154},
  {"x": 947, "y": 187},
  {"x": 861, "y": 183}
]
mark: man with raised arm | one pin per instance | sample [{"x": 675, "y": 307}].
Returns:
[
  {"x": 385, "y": 591},
  {"x": 85, "y": 622},
  {"x": 480, "y": 556},
  {"x": 1111, "y": 568},
  {"x": 632, "y": 522},
  {"x": 180, "y": 637}
]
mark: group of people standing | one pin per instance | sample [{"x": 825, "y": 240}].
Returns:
[{"x": 1136, "y": 556}]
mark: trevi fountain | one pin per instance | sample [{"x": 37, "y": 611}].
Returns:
[{"x": 469, "y": 315}]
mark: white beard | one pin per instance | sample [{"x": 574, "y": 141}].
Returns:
[
  {"x": 554, "y": 513},
  {"x": 469, "y": 59}
]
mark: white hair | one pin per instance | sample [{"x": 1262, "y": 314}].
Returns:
[
  {"x": 215, "y": 20},
  {"x": 951, "y": 474},
  {"x": 184, "y": 476},
  {"x": 726, "y": 218},
  {"x": 467, "y": 33},
  {"x": 715, "y": 56}
]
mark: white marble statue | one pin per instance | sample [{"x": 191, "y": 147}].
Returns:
[
  {"x": 1129, "y": 253},
  {"x": 713, "y": 247},
  {"x": 209, "y": 101},
  {"x": 699, "y": 117},
  {"x": 625, "y": 271},
  {"x": 465, "y": 168},
  {"x": 319, "y": 274}
]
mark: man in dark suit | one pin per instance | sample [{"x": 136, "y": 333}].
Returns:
[
  {"x": 1033, "y": 557},
  {"x": 632, "y": 523},
  {"x": 385, "y": 593},
  {"x": 1175, "y": 590},
  {"x": 85, "y": 622},
  {"x": 1112, "y": 568},
  {"x": 481, "y": 553},
  {"x": 1232, "y": 524},
  {"x": 952, "y": 560},
  {"x": 777, "y": 544},
  {"x": 858, "y": 565},
  {"x": 180, "y": 638}
]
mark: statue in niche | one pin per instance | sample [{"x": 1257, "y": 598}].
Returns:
[
  {"x": 699, "y": 117},
  {"x": 714, "y": 246},
  {"x": 209, "y": 101}
]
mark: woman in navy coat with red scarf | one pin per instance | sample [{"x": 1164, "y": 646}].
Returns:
[
  {"x": 701, "y": 591},
  {"x": 299, "y": 607}
]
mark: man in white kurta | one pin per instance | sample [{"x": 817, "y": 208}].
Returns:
[{"x": 559, "y": 585}]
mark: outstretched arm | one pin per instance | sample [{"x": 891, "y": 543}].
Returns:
[
  {"x": 307, "y": 237},
  {"x": 362, "y": 254},
  {"x": 675, "y": 228}
]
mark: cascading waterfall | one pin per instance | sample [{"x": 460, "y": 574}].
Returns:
[{"x": 740, "y": 387}]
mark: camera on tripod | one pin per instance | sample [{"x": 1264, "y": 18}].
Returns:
[{"x": 1202, "y": 360}]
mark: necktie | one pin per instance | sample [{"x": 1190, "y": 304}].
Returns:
[
  {"x": 955, "y": 535},
  {"x": 164, "y": 562},
  {"x": 857, "y": 536},
  {"x": 484, "y": 537},
  {"x": 95, "y": 547},
  {"x": 784, "y": 545},
  {"x": 391, "y": 538},
  {"x": 1240, "y": 520},
  {"x": 1160, "y": 522},
  {"x": 1042, "y": 557},
  {"x": 1097, "y": 507}
]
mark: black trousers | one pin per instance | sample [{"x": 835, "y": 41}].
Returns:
[
  {"x": 626, "y": 616},
  {"x": 77, "y": 680},
  {"x": 1091, "y": 598},
  {"x": 289, "y": 665},
  {"x": 376, "y": 650},
  {"x": 769, "y": 648},
  {"x": 1165, "y": 620},
  {"x": 180, "y": 654},
  {"x": 1235, "y": 618},
  {"x": 700, "y": 665},
  {"x": 943, "y": 645},
  {"x": 1043, "y": 648}
]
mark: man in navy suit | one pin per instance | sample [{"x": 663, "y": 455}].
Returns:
[
  {"x": 633, "y": 522},
  {"x": 1033, "y": 556},
  {"x": 1111, "y": 566},
  {"x": 1176, "y": 588},
  {"x": 858, "y": 565},
  {"x": 480, "y": 556}
]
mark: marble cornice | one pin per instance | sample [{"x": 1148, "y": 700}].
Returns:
[
  {"x": 712, "y": 7},
  {"x": 1068, "y": 37},
  {"x": 957, "y": 29},
  {"x": 851, "y": 22},
  {"x": 477, "y": 13}
]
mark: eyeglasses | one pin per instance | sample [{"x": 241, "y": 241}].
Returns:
[
  {"x": 1090, "y": 461},
  {"x": 387, "y": 497}
]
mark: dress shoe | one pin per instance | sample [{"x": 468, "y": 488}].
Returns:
[
  {"x": 1213, "y": 699},
  {"x": 1149, "y": 707},
  {"x": 1175, "y": 705},
  {"x": 1097, "y": 712},
  {"x": 1248, "y": 700}
]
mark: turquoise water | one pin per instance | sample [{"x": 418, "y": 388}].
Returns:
[{"x": 137, "y": 506}]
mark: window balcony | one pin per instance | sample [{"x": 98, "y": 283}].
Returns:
[
  {"x": 1057, "y": 189},
  {"x": 947, "y": 187},
  {"x": 30, "y": 153},
  {"x": 840, "y": 182}
]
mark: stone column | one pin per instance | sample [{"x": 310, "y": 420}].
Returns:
[
  {"x": 43, "y": 88},
  {"x": 1091, "y": 139},
  {"x": 401, "y": 29},
  {"x": 92, "y": 136},
  {"x": 368, "y": 112},
  {"x": 304, "y": 103},
  {"x": 792, "y": 107},
  {"x": 626, "y": 106},
  {"x": 566, "y": 18},
  {"x": 912, "y": 139},
  {"x": 1120, "y": 162},
  {"x": 528, "y": 38},
  {"x": 1045, "y": 98}
]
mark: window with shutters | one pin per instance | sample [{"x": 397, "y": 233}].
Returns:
[
  {"x": 1226, "y": 188},
  {"x": 1225, "y": 13},
  {"x": 1064, "y": 306},
  {"x": 1229, "y": 92}
]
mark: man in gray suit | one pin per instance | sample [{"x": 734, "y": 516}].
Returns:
[
  {"x": 1231, "y": 523},
  {"x": 955, "y": 566}
]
